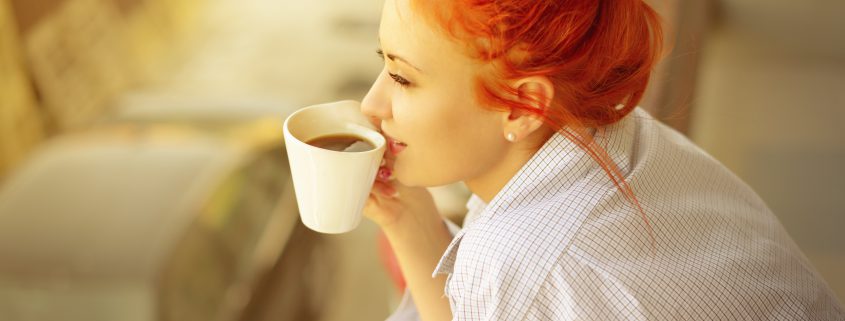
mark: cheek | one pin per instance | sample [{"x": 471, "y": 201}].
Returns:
[
  {"x": 432, "y": 112},
  {"x": 448, "y": 141},
  {"x": 444, "y": 161},
  {"x": 435, "y": 127}
]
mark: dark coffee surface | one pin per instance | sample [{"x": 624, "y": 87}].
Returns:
[{"x": 342, "y": 142}]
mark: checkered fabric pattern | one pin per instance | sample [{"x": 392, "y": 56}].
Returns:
[{"x": 561, "y": 242}]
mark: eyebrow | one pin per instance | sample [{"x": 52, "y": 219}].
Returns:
[{"x": 393, "y": 57}]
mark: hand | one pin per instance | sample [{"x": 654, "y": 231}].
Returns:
[{"x": 390, "y": 201}]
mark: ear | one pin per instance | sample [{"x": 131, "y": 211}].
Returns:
[{"x": 534, "y": 91}]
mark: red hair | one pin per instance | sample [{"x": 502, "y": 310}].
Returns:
[{"x": 598, "y": 54}]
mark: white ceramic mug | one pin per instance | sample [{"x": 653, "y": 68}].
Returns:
[{"x": 331, "y": 186}]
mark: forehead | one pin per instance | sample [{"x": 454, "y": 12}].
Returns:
[
  {"x": 400, "y": 26},
  {"x": 407, "y": 33}
]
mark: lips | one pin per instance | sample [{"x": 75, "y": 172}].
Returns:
[{"x": 394, "y": 145}]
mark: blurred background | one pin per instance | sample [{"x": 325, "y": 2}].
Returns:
[{"x": 143, "y": 177}]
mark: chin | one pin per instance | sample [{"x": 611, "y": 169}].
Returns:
[
  {"x": 421, "y": 178},
  {"x": 408, "y": 181}
]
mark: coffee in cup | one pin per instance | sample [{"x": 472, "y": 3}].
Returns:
[{"x": 342, "y": 143}]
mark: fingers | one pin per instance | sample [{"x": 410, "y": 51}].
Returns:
[
  {"x": 384, "y": 174},
  {"x": 384, "y": 189}
]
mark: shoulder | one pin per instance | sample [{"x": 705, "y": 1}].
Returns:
[
  {"x": 575, "y": 289},
  {"x": 520, "y": 231}
]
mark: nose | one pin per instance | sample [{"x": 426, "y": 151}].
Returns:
[{"x": 376, "y": 105}]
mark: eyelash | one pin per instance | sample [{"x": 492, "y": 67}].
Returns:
[
  {"x": 399, "y": 80},
  {"x": 396, "y": 78}
]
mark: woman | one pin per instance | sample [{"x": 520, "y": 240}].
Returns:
[{"x": 583, "y": 206}]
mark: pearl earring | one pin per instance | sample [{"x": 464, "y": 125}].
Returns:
[{"x": 511, "y": 137}]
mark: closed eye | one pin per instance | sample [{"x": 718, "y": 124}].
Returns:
[
  {"x": 399, "y": 80},
  {"x": 396, "y": 78}
]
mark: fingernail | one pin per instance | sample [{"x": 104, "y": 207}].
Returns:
[
  {"x": 395, "y": 194},
  {"x": 384, "y": 173}
]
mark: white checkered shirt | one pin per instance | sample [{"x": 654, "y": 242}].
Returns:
[{"x": 561, "y": 242}]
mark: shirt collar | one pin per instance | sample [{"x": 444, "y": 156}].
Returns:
[{"x": 475, "y": 205}]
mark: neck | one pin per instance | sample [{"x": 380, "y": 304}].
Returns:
[{"x": 489, "y": 184}]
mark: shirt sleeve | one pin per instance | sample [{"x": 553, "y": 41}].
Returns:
[
  {"x": 488, "y": 288},
  {"x": 571, "y": 291},
  {"x": 576, "y": 291},
  {"x": 407, "y": 310}
]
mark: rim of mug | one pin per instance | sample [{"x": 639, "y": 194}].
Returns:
[{"x": 370, "y": 134}]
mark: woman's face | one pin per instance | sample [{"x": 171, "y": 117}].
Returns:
[{"x": 425, "y": 99}]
